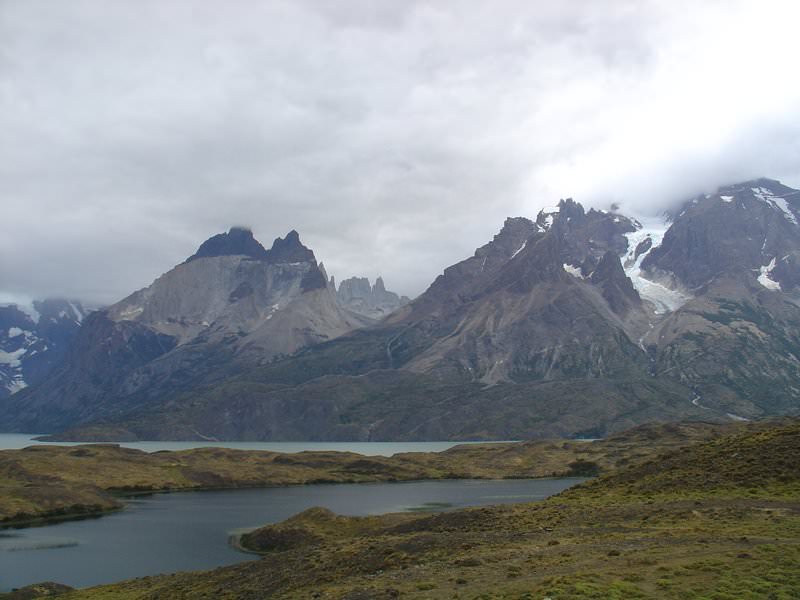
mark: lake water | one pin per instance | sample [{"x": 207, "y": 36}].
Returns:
[
  {"x": 183, "y": 531},
  {"x": 13, "y": 441}
]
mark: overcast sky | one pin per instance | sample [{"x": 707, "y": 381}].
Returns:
[{"x": 395, "y": 136}]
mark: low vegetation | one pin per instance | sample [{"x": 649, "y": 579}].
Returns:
[{"x": 716, "y": 520}]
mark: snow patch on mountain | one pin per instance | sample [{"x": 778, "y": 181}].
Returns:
[
  {"x": 574, "y": 271},
  {"x": 736, "y": 417},
  {"x": 16, "y": 385},
  {"x": 521, "y": 248},
  {"x": 33, "y": 337},
  {"x": 764, "y": 277},
  {"x": 662, "y": 297},
  {"x": 777, "y": 202},
  {"x": 25, "y": 306},
  {"x": 12, "y": 359}
]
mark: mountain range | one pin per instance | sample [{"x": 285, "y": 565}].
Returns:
[
  {"x": 575, "y": 323},
  {"x": 33, "y": 339}
]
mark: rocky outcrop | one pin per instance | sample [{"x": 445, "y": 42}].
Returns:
[
  {"x": 239, "y": 241},
  {"x": 372, "y": 301},
  {"x": 734, "y": 232},
  {"x": 615, "y": 285},
  {"x": 736, "y": 338}
]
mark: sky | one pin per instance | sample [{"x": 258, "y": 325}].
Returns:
[{"x": 394, "y": 136}]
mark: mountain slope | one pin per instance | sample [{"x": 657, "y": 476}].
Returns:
[
  {"x": 534, "y": 335},
  {"x": 35, "y": 339},
  {"x": 578, "y": 323},
  {"x": 736, "y": 339},
  {"x": 231, "y": 304}
]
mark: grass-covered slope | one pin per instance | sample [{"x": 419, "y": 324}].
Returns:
[{"x": 718, "y": 520}]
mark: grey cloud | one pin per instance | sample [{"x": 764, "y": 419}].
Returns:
[{"x": 395, "y": 137}]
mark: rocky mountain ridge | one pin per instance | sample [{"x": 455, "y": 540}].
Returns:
[{"x": 577, "y": 323}]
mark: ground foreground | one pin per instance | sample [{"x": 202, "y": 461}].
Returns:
[
  {"x": 715, "y": 520},
  {"x": 55, "y": 481}
]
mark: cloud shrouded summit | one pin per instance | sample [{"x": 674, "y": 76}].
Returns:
[{"x": 395, "y": 137}]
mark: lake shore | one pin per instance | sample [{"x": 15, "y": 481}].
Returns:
[
  {"x": 714, "y": 519},
  {"x": 43, "y": 482}
]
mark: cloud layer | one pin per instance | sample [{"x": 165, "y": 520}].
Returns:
[{"x": 395, "y": 136}]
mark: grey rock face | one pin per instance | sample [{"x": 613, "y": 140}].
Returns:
[
  {"x": 575, "y": 323},
  {"x": 228, "y": 306},
  {"x": 371, "y": 301},
  {"x": 739, "y": 229},
  {"x": 544, "y": 331},
  {"x": 736, "y": 340}
]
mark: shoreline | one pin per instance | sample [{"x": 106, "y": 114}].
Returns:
[
  {"x": 55, "y": 517},
  {"x": 54, "y": 482}
]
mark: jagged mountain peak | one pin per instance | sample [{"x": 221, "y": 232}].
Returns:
[
  {"x": 765, "y": 182},
  {"x": 540, "y": 259},
  {"x": 238, "y": 241},
  {"x": 745, "y": 231},
  {"x": 290, "y": 250},
  {"x": 511, "y": 238},
  {"x": 569, "y": 208},
  {"x": 371, "y": 301},
  {"x": 617, "y": 288}
]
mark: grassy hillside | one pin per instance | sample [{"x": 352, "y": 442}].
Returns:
[{"x": 716, "y": 520}]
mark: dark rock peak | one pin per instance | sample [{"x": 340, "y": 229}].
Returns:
[
  {"x": 734, "y": 232},
  {"x": 12, "y": 316},
  {"x": 239, "y": 241},
  {"x": 643, "y": 247},
  {"x": 586, "y": 236},
  {"x": 510, "y": 239},
  {"x": 616, "y": 287},
  {"x": 569, "y": 209},
  {"x": 290, "y": 250},
  {"x": 737, "y": 194},
  {"x": 539, "y": 261},
  {"x": 773, "y": 185},
  {"x": 379, "y": 286}
]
